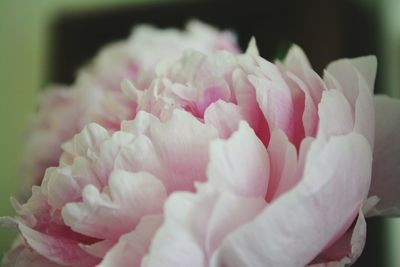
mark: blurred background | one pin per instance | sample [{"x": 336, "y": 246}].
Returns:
[{"x": 44, "y": 41}]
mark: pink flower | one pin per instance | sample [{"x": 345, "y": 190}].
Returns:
[
  {"x": 96, "y": 96},
  {"x": 230, "y": 161},
  {"x": 301, "y": 199}
]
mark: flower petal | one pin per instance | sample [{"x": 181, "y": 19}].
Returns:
[
  {"x": 335, "y": 115},
  {"x": 119, "y": 208},
  {"x": 224, "y": 117},
  {"x": 182, "y": 146},
  {"x": 132, "y": 246},
  {"x": 247, "y": 101},
  {"x": 344, "y": 71},
  {"x": 195, "y": 225},
  {"x": 88, "y": 139},
  {"x": 174, "y": 245},
  {"x": 297, "y": 63},
  {"x": 57, "y": 249},
  {"x": 23, "y": 256},
  {"x": 385, "y": 181},
  {"x": 294, "y": 228},
  {"x": 240, "y": 164},
  {"x": 274, "y": 97},
  {"x": 348, "y": 247},
  {"x": 283, "y": 165}
]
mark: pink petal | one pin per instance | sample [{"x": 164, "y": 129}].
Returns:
[
  {"x": 175, "y": 245},
  {"x": 297, "y": 63},
  {"x": 195, "y": 224},
  {"x": 305, "y": 109},
  {"x": 355, "y": 78},
  {"x": 141, "y": 123},
  {"x": 211, "y": 95},
  {"x": 138, "y": 155},
  {"x": 106, "y": 160},
  {"x": 348, "y": 247},
  {"x": 224, "y": 117},
  {"x": 98, "y": 249},
  {"x": 132, "y": 246},
  {"x": 299, "y": 96},
  {"x": 240, "y": 164},
  {"x": 182, "y": 146},
  {"x": 60, "y": 187},
  {"x": 229, "y": 213},
  {"x": 386, "y": 164},
  {"x": 34, "y": 212},
  {"x": 274, "y": 97},
  {"x": 118, "y": 208},
  {"x": 247, "y": 101},
  {"x": 283, "y": 165},
  {"x": 294, "y": 228},
  {"x": 300, "y": 73},
  {"x": 65, "y": 184},
  {"x": 57, "y": 249},
  {"x": 358, "y": 94},
  {"x": 88, "y": 139},
  {"x": 23, "y": 256}
]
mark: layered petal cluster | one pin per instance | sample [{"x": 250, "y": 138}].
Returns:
[
  {"x": 110, "y": 184},
  {"x": 230, "y": 160},
  {"x": 293, "y": 196},
  {"x": 95, "y": 96}
]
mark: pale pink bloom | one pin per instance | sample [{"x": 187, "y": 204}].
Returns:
[
  {"x": 69, "y": 213},
  {"x": 96, "y": 96},
  {"x": 301, "y": 199},
  {"x": 108, "y": 184},
  {"x": 230, "y": 161}
]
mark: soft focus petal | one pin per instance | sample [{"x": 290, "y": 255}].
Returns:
[
  {"x": 355, "y": 79},
  {"x": 294, "y": 228},
  {"x": 255, "y": 163},
  {"x": 95, "y": 95},
  {"x": 54, "y": 124},
  {"x": 195, "y": 224},
  {"x": 131, "y": 247},
  {"x": 343, "y": 70},
  {"x": 98, "y": 249},
  {"x": 59, "y": 250},
  {"x": 175, "y": 245},
  {"x": 385, "y": 181},
  {"x": 364, "y": 121},
  {"x": 348, "y": 247},
  {"x": 23, "y": 256}
]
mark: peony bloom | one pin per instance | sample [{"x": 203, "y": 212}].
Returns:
[
  {"x": 230, "y": 161},
  {"x": 96, "y": 96}
]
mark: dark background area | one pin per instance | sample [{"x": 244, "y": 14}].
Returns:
[{"x": 326, "y": 30}]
